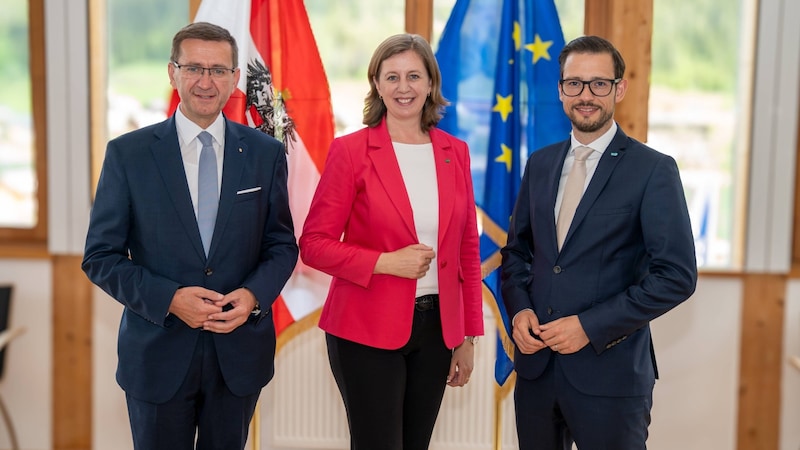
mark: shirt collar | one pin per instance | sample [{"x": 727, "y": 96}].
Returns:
[
  {"x": 600, "y": 144},
  {"x": 188, "y": 130}
]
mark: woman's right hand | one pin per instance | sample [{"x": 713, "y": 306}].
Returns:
[{"x": 409, "y": 262}]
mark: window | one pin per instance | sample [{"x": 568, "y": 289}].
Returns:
[
  {"x": 138, "y": 85},
  {"x": 22, "y": 146},
  {"x": 700, "y": 114},
  {"x": 345, "y": 50}
]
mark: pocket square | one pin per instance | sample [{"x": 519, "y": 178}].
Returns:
[{"x": 247, "y": 191}]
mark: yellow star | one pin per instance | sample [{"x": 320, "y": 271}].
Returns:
[
  {"x": 517, "y": 35},
  {"x": 503, "y": 105},
  {"x": 505, "y": 157},
  {"x": 539, "y": 48}
]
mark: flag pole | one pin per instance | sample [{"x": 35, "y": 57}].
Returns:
[
  {"x": 256, "y": 424},
  {"x": 498, "y": 417},
  {"x": 500, "y": 394}
]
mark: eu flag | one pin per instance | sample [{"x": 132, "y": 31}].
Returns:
[{"x": 500, "y": 71}]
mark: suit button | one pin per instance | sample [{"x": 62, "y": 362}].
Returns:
[
  {"x": 209, "y": 272},
  {"x": 549, "y": 311},
  {"x": 557, "y": 269}
]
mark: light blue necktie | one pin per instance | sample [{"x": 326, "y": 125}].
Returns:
[{"x": 207, "y": 192}]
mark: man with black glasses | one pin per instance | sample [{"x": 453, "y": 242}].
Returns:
[{"x": 599, "y": 245}]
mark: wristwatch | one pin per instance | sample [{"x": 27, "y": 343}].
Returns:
[
  {"x": 471, "y": 339},
  {"x": 256, "y": 310}
]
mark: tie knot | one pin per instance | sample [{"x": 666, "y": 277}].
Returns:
[
  {"x": 581, "y": 153},
  {"x": 206, "y": 139}
]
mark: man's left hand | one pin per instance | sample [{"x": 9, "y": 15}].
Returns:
[
  {"x": 564, "y": 335},
  {"x": 241, "y": 301}
]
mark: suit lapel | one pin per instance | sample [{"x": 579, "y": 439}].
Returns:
[
  {"x": 381, "y": 153},
  {"x": 553, "y": 180},
  {"x": 445, "y": 179},
  {"x": 233, "y": 164},
  {"x": 167, "y": 155},
  {"x": 605, "y": 167}
]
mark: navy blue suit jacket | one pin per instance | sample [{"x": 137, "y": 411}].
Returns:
[
  {"x": 143, "y": 244},
  {"x": 628, "y": 258}
]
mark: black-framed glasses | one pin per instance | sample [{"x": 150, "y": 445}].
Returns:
[
  {"x": 600, "y": 87},
  {"x": 194, "y": 72}
]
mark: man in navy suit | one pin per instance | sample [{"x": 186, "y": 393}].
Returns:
[
  {"x": 196, "y": 341},
  {"x": 582, "y": 302}
]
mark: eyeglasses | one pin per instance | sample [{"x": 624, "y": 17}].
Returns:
[
  {"x": 194, "y": 72},
  {"x": 599, "y": 87}
]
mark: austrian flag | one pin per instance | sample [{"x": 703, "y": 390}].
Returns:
[{"x": 284, "y": 92}]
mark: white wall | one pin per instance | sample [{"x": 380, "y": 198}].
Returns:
[
  {"x": 697, "y": 351},
  {"x": 790, "y": 395},
  {"x": 26, "y": 387}
]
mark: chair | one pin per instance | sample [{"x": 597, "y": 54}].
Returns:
[{"x": 6, "y": 336}]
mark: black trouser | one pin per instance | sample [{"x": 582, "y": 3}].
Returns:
[
  {"x": 392, "y": 397},
  {"x": 551, "y": 414},
  {"x": 203, "y": 410}
]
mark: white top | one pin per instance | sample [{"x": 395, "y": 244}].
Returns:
[
  {"x": 191, "y": 147},
  {"x": 419, "y": 175}
]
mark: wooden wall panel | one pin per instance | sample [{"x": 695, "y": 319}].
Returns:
[
  {"x": 761, "y": 361},
  {"x": 72, "y": 355},
  {"x": 419, "y": 18},
  {"x": 628, "y": 24}
]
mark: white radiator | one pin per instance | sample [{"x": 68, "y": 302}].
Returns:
[{"x": 301, "y": 407}]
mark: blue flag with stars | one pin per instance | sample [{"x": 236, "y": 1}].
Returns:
[{"x": 500, "y": 72}]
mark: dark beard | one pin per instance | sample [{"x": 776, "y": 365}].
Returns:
[{"x": 590, "y": 127}]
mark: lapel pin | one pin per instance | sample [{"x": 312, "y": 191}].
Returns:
[
  {"x": 240, "y": 149},
  {"x": 612, "y": 153}
]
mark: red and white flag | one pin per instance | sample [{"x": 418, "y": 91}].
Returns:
[{"x": 276, "y": 34}]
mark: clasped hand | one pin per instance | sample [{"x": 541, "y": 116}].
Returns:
[
  {"x": 203, "y": 308},
  {"x": 564, "y": 335},
  {"x": 412, "y": 262}
]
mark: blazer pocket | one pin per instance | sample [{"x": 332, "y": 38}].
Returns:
[
  {"x": 612, "y": 212},
  {"x": 248, "y": 191},
  {"x": 247, "y": 194}
]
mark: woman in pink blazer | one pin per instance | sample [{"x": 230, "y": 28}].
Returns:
[{"x": 393, "y": 221}]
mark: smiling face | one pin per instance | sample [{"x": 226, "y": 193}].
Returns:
[
  {"x": 591, "y": 116},
  {"x": 203, "y": 98},
  {"x": 404, "y": 84}
]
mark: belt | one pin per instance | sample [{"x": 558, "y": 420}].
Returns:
[{"x": 426, "y": 302}]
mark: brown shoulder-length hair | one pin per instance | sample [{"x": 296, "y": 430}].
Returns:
[
  {"x": 432, "y": 111},
  {"x": 204, "y": 31}
]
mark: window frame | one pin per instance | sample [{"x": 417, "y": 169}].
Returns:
[{"x": 33, "y": 241}]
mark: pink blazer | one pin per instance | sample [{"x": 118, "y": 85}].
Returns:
[{"x": 360, "y": 210}]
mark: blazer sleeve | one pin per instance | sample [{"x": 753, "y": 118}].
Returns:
[
  {"x": 671, "y": 274},
  {"x": 471, "y": 260},
  {"x": 321, "y": 245},
  {"x": 106, "y": 261},
  {"x": 517, "y": 253}
]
